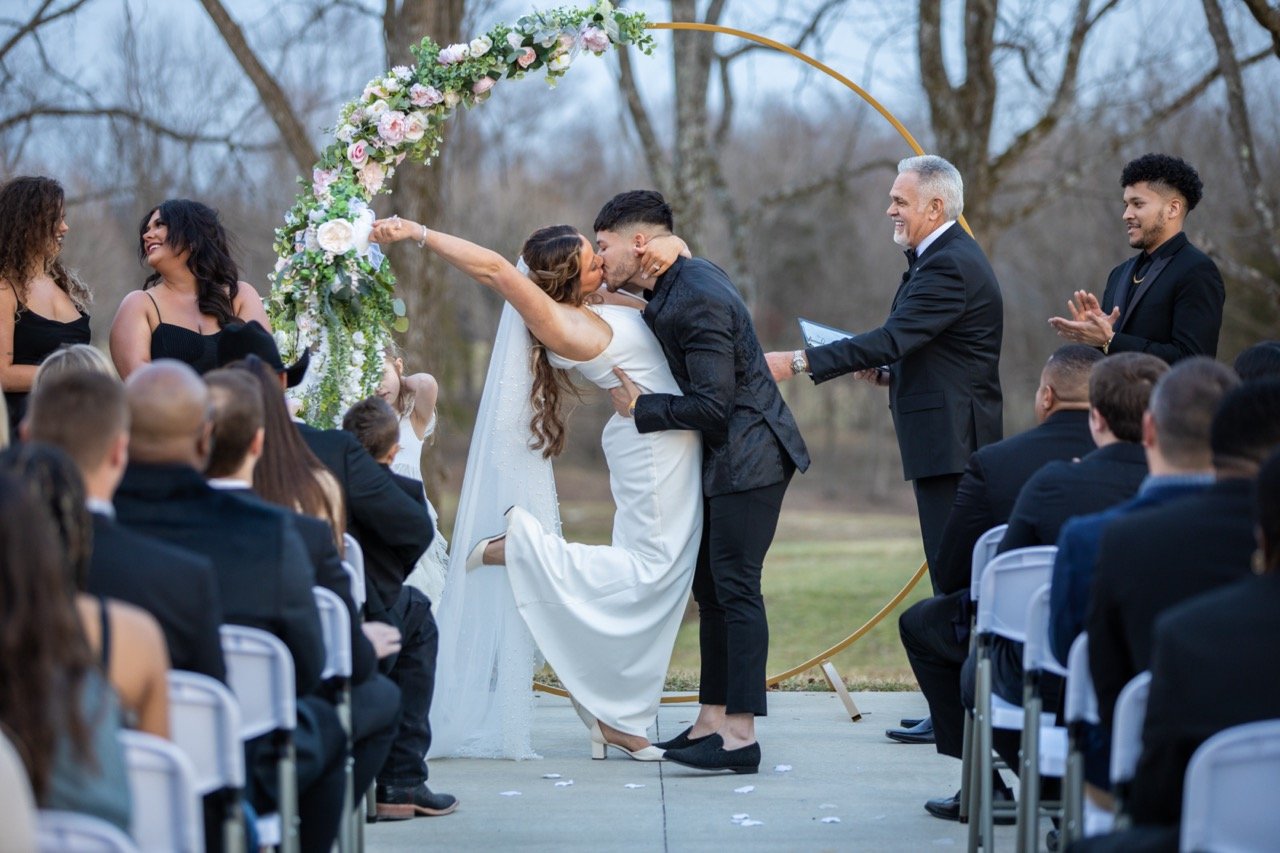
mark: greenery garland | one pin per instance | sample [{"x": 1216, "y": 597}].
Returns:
[{"x": 333, "y": 292}]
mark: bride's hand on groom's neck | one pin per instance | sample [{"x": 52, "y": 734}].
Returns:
[{"x": 658, "y": 253}]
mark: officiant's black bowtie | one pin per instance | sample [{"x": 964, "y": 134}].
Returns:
[{"x": 911, "y": 257}]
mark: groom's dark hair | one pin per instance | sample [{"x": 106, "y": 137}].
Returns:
[{"x": 637, "y": 207}]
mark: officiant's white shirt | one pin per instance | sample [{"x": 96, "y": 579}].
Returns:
[{"x": 933, "y": 235}]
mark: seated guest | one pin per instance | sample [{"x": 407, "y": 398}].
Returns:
[
  {"x": 1150, "y": 560},
  {"x": 935, "y": 632},
  {"x": 175, "y": 586},
  {"x": 76, "y": 358},
  {"x": 1207, "y": 656},
  {"x": 402, "y": 785},
  {"x": 17, "y": 803},
  {"x": 128, "y": 642},
  {"x": 239, "y": 442},
  {"x": 264, "y": 575},
  {"x": 1119, "y": 388},
  {"x": 1260, "y": 361},
  {"x": 55, "y": 704}
]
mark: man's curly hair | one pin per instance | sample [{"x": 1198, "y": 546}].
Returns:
[{"x": 1172, "y": 172}]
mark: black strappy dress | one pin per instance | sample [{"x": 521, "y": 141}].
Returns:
[
  {"x": 187, "y": 345},
  {"x": 34, "y": 338}
]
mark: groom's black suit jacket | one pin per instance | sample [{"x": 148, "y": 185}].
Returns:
[
  {"x": 941, "y": 342},
  {"x": 1176, "y": 312},
  {"x": 729, "y": 395}
]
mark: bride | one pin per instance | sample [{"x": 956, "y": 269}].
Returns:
[{"x": 605, "y": 617}]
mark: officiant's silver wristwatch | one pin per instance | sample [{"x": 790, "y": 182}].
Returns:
[{"x": 799, "y": 362}]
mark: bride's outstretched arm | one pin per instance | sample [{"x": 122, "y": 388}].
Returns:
[{"x": 546, "y": 319}]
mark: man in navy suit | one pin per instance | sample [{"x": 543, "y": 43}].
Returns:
[
  {"x": 1166, "y": 301},
  {"x": 940, "y": 342}
]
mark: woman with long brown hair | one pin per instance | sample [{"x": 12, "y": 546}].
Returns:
[
  {"x": 55, "y": 705},
  {"x": 605, "y": 617},
  {"x": 42, "y": 303},
  {"x": 193, "y": 291}
]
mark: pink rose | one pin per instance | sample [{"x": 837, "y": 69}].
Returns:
[
  {"x": 358, "y": 153},
  {"x": 453, "y": 54},
  {"x": 372, "y": 174},
  {"x": 595, "y": 40},
  {"x": 482, "y": 85},
  {"x": 321, "y": 179},
  {"x": 391, "y": 127},
  {"x": 415, "y": 126},
  {"x": 424, "y": 96},
  {"x": 527, "y": 57}
]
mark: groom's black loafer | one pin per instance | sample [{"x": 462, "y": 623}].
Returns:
[
  {"x": 710, "y": 754},
  {"x": 681, "y": 740},
  {"x": 921, "y": 732}
]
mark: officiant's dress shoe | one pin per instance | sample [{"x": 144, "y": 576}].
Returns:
[
  {"x": 921, "y": 732},
  {"x": 681, "y": 740},
  {"x": 709, "y": 754},
  {"x": 948, "y": 808},
  {"x": 911, "y": 722}
]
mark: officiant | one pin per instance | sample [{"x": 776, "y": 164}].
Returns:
[{"x": 938, "y": 352}]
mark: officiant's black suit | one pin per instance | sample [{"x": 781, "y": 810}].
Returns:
[
  {"x": 1176, "y": 310},
  {"x": 941, "y": 342},
  {"x": 751, "y": 446}
]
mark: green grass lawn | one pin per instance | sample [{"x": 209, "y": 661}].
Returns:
[{"x": 826, "y": 574}]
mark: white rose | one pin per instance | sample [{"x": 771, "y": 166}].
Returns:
[
  {"x": 345, "y": 133},
  {"x": 516, "y": 40},
  {"x": 415, "y": 126},
  {"x": 453, "y": 54},
  {"x": 559, "y": 62},
  {"x": 402, "y": 72},
  {"x": 377, "y": 108},
  {"x": 358, "y": 338},
  {"x": 361, "y": 229},
  {"x": 335, "y": 236},
  {"x": 391, "y": 84},
  {"x": 480, "y": 46},
  {"x": 372, "y": 174}
]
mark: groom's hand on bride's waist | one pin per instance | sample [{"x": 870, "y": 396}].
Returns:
[{"x": 625, "y": 395}]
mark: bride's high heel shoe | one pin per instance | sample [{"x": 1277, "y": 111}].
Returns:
[
  {"x": 600, "y": 747},
  {"x": 476, "y": 558}
]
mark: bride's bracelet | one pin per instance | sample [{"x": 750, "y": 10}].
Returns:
[{"x": 422, "y": 244}]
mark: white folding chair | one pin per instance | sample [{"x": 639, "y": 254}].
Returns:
[
  {"x": 983, "y": 550},
  {"x": 1228, "y": 799},
  {"x": 1007, "y": 584},
  {"x": 72, "y": 832},
  {"x": 353, "y": 564},
  {"x": 204, "y": 722},
  {"x": 1080, "y": 710},
  {"x": 166, "y": 809},
  {"x": 1126, "y": 739},
  {"x": 335, "y": 625},
  {"x": 260, "y": 673},
  {"x": 1044, "y": 747}
]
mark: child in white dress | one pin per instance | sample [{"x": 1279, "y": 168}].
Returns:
[{"x": 414, "y": 399}]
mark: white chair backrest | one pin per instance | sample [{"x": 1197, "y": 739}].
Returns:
[
  {"x": 1036, "y": 654},
  {"x": 1228, "y": 802},
  {"x": 983, "y": 550},
  {"x": 260, "y": 673},
  {"x": 1126, "y": 727},
  {"x": 1081, "y": 703},
  {"x": 166, "y": 811},
  {"x": 357, "y": 584},
  {"x": 335, "y": 624},
  {"x": 1007, "y": 585},
  {"x": 71, "y": 832},
  {"x": 354, "y": 559},
  {"x": 204, "y": 722}
]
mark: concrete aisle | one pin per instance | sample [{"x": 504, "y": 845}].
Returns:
[{"x": 838, "y": 769}]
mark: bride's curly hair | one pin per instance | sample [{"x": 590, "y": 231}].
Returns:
[{"x": 554, "y": 258}]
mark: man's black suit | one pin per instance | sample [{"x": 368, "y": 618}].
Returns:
[
  {"x": 1176, "y": 310},
  {"x": 1153, "y": 559},
  {"x": 176, "y": 586},
  {"x": 264, "y": 580},
  {"x": 935, "y": 631},
  {"x": 751, "y": 447},
  {"x": 1061, "y": 490},
  {"x": 941, "y": 342}
]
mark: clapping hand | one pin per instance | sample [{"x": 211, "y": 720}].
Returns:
[
  {"x": 384, "y": 638},
  {"x": 625, "y": 395},
  {"x": 395, "y": 229},
  {"x": 1088, "y": 324}
]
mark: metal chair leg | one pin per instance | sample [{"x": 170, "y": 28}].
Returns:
[
  {"x": 1073, "y": 791},
  {"x": 1029, "y": 778},
  {"x": 288, "y": 791}
]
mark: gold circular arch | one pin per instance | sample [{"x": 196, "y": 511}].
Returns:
[{"x": 859, "y": 633}]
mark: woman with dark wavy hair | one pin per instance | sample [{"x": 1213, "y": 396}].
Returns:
[
  {"x": 42, "y": 303},
  {"x": 604, "y": 616},
  {"x": 193, "y": 291}
]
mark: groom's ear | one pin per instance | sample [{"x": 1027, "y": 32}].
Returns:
[{"x": 639, "y": 240}]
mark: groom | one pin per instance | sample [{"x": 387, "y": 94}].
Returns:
[{"x": 751, "y": 447}]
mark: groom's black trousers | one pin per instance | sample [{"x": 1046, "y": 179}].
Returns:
[{"x": 737, "y": 530}]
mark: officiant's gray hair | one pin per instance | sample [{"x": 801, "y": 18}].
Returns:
[{"x": 938, "y": 179}]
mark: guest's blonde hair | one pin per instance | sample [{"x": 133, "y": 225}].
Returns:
[{"x": 74, "y": 358}]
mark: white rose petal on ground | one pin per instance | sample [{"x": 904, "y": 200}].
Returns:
[
  {"x": 782, "y": 768},
  {"x": 745, "y": 789},
  {"x": 738, "y": 818},
  {"x": 550, "y": 775},
  {"x": 565, "y": 784},
  {"x": 509, "y": 794},
  {"x": 633, "y": 785},
  {"x": 752, "y": 823},
  {"x": 831, "y": 819}
]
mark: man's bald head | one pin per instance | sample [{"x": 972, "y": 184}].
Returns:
[{"x": 168, "y": 414}]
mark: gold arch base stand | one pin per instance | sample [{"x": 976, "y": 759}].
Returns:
[{"x": 823, "y": 659}]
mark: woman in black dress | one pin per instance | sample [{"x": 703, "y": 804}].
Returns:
[
  {"x": 42, "y": 303},
  {"x": 193, "y": 291}
]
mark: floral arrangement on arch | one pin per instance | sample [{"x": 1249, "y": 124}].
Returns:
[{"x": 333, "y": 291}]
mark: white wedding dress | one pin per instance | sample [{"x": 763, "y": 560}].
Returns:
[{"x": 605, "y": 617}]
